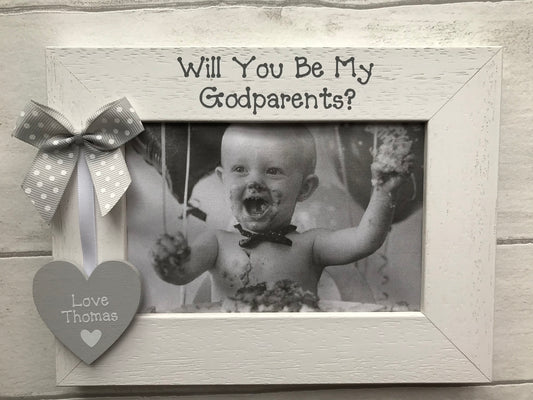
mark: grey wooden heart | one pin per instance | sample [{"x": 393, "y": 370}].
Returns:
[{"x": 87, "y": 315}]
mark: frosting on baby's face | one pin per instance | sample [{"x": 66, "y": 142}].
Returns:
[{"x": 265, "y": 172}]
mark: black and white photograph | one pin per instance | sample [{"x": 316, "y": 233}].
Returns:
[{"x": 278, "y": 217}]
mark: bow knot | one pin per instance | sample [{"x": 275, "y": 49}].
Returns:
[
  {"x": 60, "y": 145},
  {"x": 78, "y": 139}
]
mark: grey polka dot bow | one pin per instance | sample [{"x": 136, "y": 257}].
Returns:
[{"x": 59, "y": 148}]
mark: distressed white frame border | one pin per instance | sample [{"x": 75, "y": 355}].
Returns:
[{"x": 456, "y": 90}]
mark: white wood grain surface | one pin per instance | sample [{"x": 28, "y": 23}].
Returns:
[
  {"x": 26, "y": 364},
  {"x": 460, "y": 206},
  {"x": 499, "y": 392},
  {"x": 105, "y": 5},
  {"x": 289, "y": 350},
  {"x": 398, "y": 89},
  {"x": 513, "y": 325}
]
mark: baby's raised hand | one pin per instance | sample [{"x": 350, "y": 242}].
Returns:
[
  {"x": 169, "y": 254},
  {"x": 393, "y": 159},
  {"x": 390, "y": 176}
]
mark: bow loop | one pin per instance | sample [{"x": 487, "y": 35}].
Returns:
[
  {"x": 59, "y": 148},
  {"x": 113, "y": 125},
  {"x": 37, "y": 124}
]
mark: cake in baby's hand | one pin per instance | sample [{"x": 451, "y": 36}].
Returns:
[
  {"x": 285, "y": 295},
  {"x": 393, "y": 156},
  {"x": 169, "y": 253}
]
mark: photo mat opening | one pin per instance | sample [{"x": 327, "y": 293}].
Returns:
[{"x": 387, "y": 280}]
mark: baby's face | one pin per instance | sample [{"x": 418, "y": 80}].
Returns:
[{"x": 263, "y": 177}]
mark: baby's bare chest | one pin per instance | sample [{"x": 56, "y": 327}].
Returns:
[{"x": 267, "y": 262}]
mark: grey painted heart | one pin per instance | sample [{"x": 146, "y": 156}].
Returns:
[{"x": 87, "y": 315}]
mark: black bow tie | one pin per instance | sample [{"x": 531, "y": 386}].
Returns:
[{"x": 253, "y": 239}]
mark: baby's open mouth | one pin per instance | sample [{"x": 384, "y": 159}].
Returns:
[{"x": 256, "y": 206}]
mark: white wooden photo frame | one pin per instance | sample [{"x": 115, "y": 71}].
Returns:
[{"x": 455, "y": 91}]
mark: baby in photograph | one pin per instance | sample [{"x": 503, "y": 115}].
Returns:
[{"x": 266, "y": 170}]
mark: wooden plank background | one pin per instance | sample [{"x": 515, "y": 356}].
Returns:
[{"x": 27, "y": 26}]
